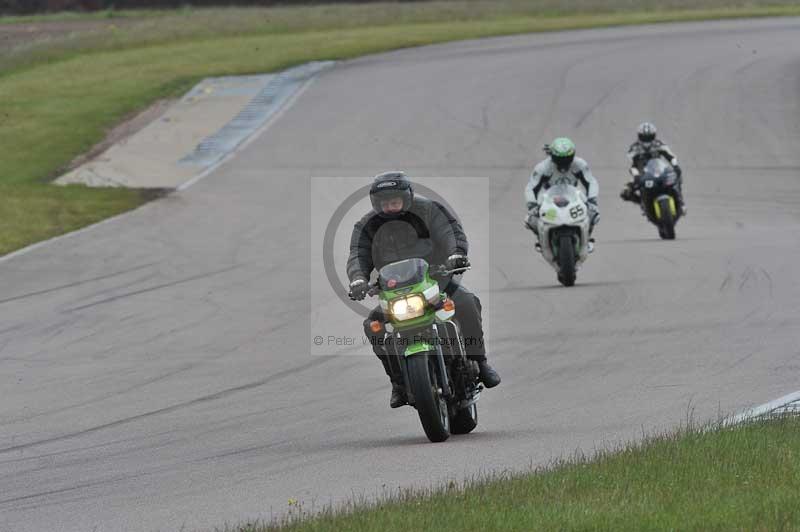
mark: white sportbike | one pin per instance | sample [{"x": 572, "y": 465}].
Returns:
[{"x": 564, "y": 230}]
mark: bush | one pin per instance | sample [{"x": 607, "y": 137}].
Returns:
[{"x": 25, "y": 7}]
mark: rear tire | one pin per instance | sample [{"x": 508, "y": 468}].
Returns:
[
  {"x": 465, "y": 420},
  {"x": 430, "y": 405},
  {"x": 667, "y": 227},
  {"x": 566, "y": 260}
]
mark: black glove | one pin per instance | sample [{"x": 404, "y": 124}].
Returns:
[
  {"x": 627, "y": 193},
  {"x": 678, "y": 170},
  {"x": 457, "y": 261},
  {"x": 358, "y": 289}
]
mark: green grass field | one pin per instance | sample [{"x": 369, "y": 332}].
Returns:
[
  {"x": 740, "y": 478},
  {"x": 59, "y": 94}
]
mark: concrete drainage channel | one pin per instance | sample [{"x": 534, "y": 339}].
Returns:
[
  {"x": 192, "y": 138},
  {"x": 255, "y": 114},
  {"x": 197, "y": 133},
  {"x": 786, "y": 405}
]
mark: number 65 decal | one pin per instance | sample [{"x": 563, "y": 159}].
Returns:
[{"x": 576, "y": 211}]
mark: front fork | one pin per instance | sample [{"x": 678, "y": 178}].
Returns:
[
  {"x": 470, "y": 371},
  {"x": 438, "y": 353},
  {"x": 670, "y": 202},
  {"x": 440, "y": 361}
]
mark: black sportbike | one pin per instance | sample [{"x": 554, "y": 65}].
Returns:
[{"x": 658, "y": 197}]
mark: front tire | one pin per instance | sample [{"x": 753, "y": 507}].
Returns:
[
  {"x": 428, "y": 400},
  {"x": 666, "y": 229},
  {"x": 566, "y": 260}
]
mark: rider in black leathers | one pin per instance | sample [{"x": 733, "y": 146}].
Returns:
[
  {"x": 402, "y": 225},
  {"x": 640, "y": 152}
]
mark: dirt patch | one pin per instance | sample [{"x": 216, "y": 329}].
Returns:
[{"x": 128, "y": 127}]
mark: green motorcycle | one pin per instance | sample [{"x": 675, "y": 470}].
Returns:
[{"x": 426, "y": 347}]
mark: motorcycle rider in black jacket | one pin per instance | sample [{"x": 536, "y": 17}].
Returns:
[
  {"x": 645, "y": 148},
  {"x": 403, "y": 225}
]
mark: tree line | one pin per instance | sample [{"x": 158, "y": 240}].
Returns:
[{"x": 27, "y": 7}]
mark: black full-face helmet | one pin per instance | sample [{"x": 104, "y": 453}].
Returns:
[
  {"x": 391, "y": 185},
  {"x": 646, "y": 133}
]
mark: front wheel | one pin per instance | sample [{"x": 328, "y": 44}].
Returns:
[
  {"x": 666, "y": 228},
  {"x": 428, "y": 400},
  {"x": 566, "y": 260}
]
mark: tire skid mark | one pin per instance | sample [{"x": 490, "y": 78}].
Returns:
[
  {"x": 725, "y": 281},
  {"x": 12, "y": 328},
  {"x": 503, "y": 274},
  {"x": 32, "y": 504},
  {"x": 747, "y": 275},
  {"x": 49, "y": 333},
  {"x": 552, "y": 108},
  {"x": 734, "y": 364},
  {"x": 245, "y": 450},
  {"x": 221, "y": 426},
  {"x": 102, "y": 397},
  {"x": 204, "y": 399},
  {"x": 55, "y": 330},
  {"x": 668, "y": 259},
  {"x": 74, "y": 284},
  {"x": 82, "y": 486},
  {"x": 85, "y": 448},
  {"x": 62, "y": 490},
  {"x": 81, "y": 462},
  {"x": 610, "y": 92},
  {"x": 749, "y": 64},
  {"x": 128, "y": 284},
  {"x": 483, "y": 130},
  {"x": 768, "y": 277},
  {"x": 156, "y": 287}
]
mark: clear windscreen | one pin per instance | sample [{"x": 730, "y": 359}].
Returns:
[
  {"x": 402, "y": 273},
  {"x": 657, "y": 169},
  {"x": 562, "y": 194}
]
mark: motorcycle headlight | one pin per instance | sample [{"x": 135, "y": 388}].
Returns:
[
  {"x": 561, "y": 201},
  {"x": 406, "y": 308}
]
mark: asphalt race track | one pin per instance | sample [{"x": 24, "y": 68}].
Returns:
[{"x": 157, "y": 371}]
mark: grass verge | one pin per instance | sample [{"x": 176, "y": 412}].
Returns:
[
  {"x": 59, "y": 98},
  {"x": 30, "y": 213},
  {"x": 739, "y": 478}
]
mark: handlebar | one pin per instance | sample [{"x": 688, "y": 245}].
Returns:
[
  {"x": 439, "y": 270},
  {"x": 442, "y": 270}
]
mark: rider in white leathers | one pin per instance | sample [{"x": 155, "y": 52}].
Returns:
[{"x": 560, "y": 167}]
